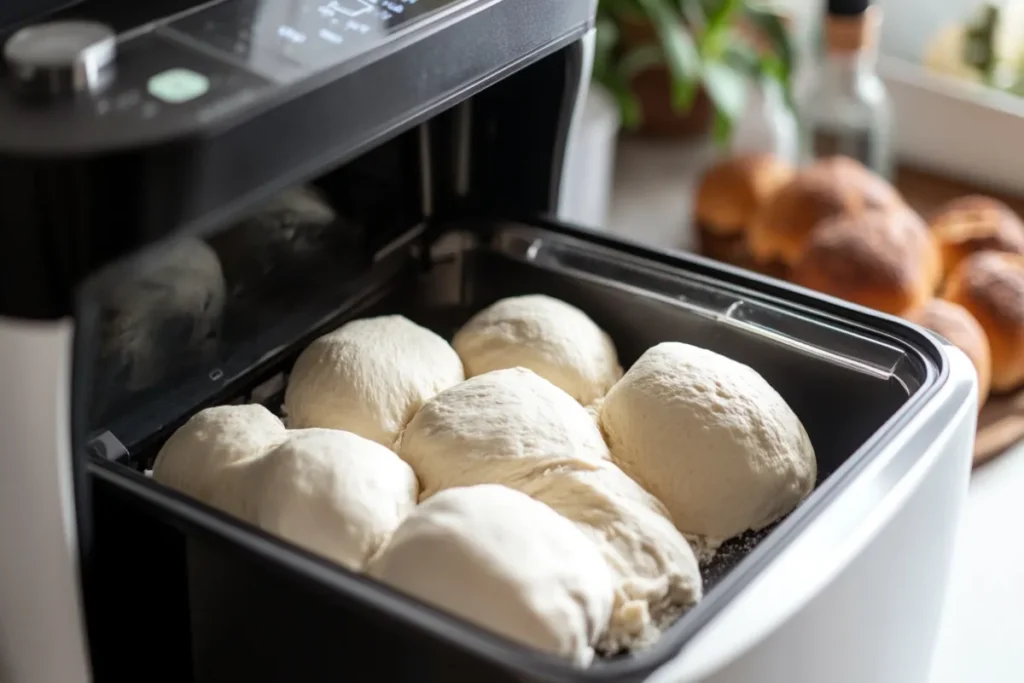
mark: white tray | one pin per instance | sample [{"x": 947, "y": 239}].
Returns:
[
  {"x": 956, "y": 128},
  {"x": 945, "y": 125}
]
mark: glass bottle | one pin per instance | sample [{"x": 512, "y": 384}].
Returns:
[
  {"x": 767, "y": 125},
  {"x": 845, "y": 109}
]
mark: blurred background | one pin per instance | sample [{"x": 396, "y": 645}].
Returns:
[
  {"x": 949, "y": 69},
  {"x": 775, "y": 135}
]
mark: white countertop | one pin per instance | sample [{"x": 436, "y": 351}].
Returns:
[
  {"x": 982, "y": 639},
  {"x": 984, "y": 619}
]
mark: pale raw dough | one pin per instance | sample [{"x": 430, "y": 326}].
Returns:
[
  {"x": 514, "y": 428},
  {"x": 333, "y": 493},
  {"x": 554, "y": 339},
  {"x": 656, "y": 571},
  {"x": 163, "y": 309},
  {"x": 503, "y": 427},
  {"x": 711, "y": 439},
  {"x": 507, "y": 563},
  {"x": 369, "y": 377},
  {"x": 202, "y": 457}
]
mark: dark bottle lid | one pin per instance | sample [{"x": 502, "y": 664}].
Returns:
[{"x": 848, "y": 8}]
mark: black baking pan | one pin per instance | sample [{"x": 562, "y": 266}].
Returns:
[{"x": 239, "y": 605}]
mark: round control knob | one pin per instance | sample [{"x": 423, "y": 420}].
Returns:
[{"x": 62, "y": 58}]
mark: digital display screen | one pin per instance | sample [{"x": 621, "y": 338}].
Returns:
[{"x": 288, "y": 39}]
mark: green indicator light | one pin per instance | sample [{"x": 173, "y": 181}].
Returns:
[{"x": 178, "y": 85}]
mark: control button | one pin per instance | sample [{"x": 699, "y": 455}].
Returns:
[
  {"x": 62, "y": 58},
  {"x": 176, "y": 86}
]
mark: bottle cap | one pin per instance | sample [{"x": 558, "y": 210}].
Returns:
[{"x": 847, "y": 8}]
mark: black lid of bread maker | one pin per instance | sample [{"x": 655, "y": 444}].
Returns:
[{"x": 212, "y": 110}]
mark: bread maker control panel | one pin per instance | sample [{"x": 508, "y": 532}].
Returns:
[{"x": 74, "y": 83}]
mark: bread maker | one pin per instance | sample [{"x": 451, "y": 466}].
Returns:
[{"x": 192, "y": 191}]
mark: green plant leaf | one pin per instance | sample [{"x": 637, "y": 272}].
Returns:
[
  {"x": 620, "y": 8},
  {"x": 640, "y": 59},
  {"x": 717, "y": 34},
  {"x": 629, "y": 106},
  {"x": 773, "y": 73},
  {"x": 607, "y": 35},
  {"x": 721, "y": 130},
  {"x": 700, "y": 43},
  {"x": 773, "y": 28},
  {"x": 694, "y": 14},
  {"x": 728, "y": 88},
  {"x": 680, "y": 51},
  {"x": 722, "y": 14},
  {"x": 605, "y": 43},
  {"x": 743, "y": 57}
]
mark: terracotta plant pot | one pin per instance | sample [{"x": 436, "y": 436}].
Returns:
[{"x": 653, "y": 88}]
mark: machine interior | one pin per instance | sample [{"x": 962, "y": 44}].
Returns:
[{"x": 220, "y": 318}]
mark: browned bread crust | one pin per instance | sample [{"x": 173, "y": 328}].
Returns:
[
  {"x": 733, "y": 190},
  {"x": 886, "y": 260},
  {"x": 990, "y": 285},
  {"x": 955, "y": 323},
  {"x": 976, "y": 223},
  {"x": 829, "y": 188}
]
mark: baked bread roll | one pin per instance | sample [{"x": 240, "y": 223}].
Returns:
[
  {"x": 990, "y": 285},
  {"x": 729, "y": 195},
  {"x": 711, "y": 439},
  {"x": 369, "y": 377},
  {"x": 885, "y": 260},
  {"x": 554, "y": 339},
  {"x": 829, "y": 188},
  {"x": 953, "y": 322},
  {"x": 507, "y": 563},
  {"x": 976, "y": 223}
]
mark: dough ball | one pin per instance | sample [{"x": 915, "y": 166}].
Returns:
[
  {"x": 161, "y": 313},
  {"x": 502, "y": 427},
  {"x": 507, "y": 563},
  {"x": 657, "y": 577},
  {"x": 333, "y": 493},
  {"x": 281, "y": 235},
  {"x": 555, "y": 340},
  {"x": 199, "y": 456},
  {"x": 711, "y": 439},
  {"x": 514, "y": 428},
  {"x": 369, "y": 377}
]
